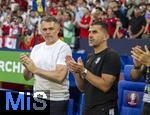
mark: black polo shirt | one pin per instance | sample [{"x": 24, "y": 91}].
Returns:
[{"x": 107, "y": 62}]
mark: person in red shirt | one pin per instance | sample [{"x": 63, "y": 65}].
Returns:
[
  {"x": 84, "y": 26},
  {"x": 24, "y": 43},
  {"x": 6, "y": 25},
  {"x": 24, "y": 39},
  {"x": 35, "y": 40},
  {"x": 27, "y": 42},
  {"x": 6, "y": 29},
  {"x": 53, "y": 10},
  {"x": 111, "y": 22},
  {"x": 119, "y": 31}
]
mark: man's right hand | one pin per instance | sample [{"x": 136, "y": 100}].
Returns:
[
  {"x": 27, "y": 74},
  {"x": 73, "y": 66},
  {"x": 24, "y": 58}
]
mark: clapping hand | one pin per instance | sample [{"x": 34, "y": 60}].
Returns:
[
  {"x": 28, "y": 63},
  {"x": 73, "y": 66},
  {"x": 140, "y": 56}
]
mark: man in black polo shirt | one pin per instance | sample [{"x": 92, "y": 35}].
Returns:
[{"x": 98, "y": 79}]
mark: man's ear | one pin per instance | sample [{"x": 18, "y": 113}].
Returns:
[{"x": 106, "y": 36}]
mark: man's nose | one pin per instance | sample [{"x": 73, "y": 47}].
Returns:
[{"x": 90, "y": 34}]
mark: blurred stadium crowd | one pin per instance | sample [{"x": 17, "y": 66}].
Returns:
[{"x": 20, "y": 20}]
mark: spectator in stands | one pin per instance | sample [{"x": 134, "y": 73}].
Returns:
[
  {"x": 1, "y": 15},
  {"x": 24, "y": 41},
  {"x": 53, "y": 9},
  {"x": 22, "y": 4},
  {"x": 6, "y": 25},
  {"x": 35, "y": 39},
  {"x": 23, "y": 15},
  {"x": 142, "y": 67},
  {"x": 32, "y": 20},
  {"x": 130, "y": 8},
  {"x": 84, "y": 26},
  {"x": 136, "y": 25},
  {"x": 13, "y": 5},
  {"x": 29, "y": 9},
  {"x": 119, "y": 14},
  {"x": 69, "y": 30},
  {"x": 78, "y": 9},
  {"x": 146, "y": 33},
  {"x": 111, "y": 21},
  {"x": 47, "y": 64},
  {"x": 98, "y": 79},
  {"x": 119, "y": 31},
  {"x": 97, "y": 14},
  {"x": 143, "y": 8},
  {"x": 6, "y": 12}
]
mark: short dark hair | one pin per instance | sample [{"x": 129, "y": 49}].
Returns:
[
  {"x": 102, "y": 24},
  {"x": 50, "y": 19},
  {"x": 99, "y": 8},
  {"x": 69, "y": 14}
]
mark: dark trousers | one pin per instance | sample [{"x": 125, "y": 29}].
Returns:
[
  {"x": 101, "y": 111},
  {"x": 59, "y": 107},
  {"x": 146, "y": 109}
]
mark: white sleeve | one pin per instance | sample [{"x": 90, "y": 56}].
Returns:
[
  {"x": 64, "y": 51},
  {"x": 33, "y": 52}
]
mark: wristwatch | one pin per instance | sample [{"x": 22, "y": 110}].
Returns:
[{"x": 84, "y": 73}]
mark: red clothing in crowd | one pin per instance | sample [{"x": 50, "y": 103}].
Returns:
[
  {"x": 84, "y": 32},
  {"x": 6, "y": 29},
  {"x": 23, "y": 46},
  {"x": 53, "y": 11},
  {"x": 111, "y": 24},
  {"x": 35, "y": 40},
  {"x": 54, "y": 1},
  {"x": 23, "y": 4},
  {"x": 122, "y": 31}
]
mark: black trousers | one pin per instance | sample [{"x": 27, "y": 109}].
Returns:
[
  {"x": 59, "y": 107},
  {"x": 146, "y": 109},
  {"x": 101, "y": 111}
]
